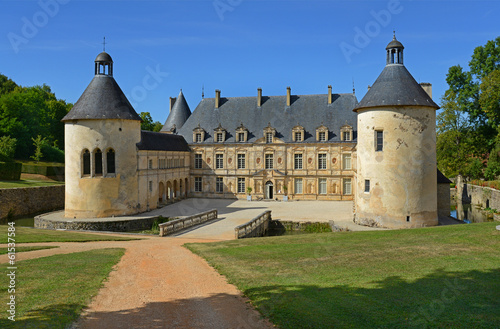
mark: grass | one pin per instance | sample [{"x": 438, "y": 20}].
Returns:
[
  {"x": 31, "y": 235},
  {"x": 52, "y": 291},
  {"x": 4, "y": 251},
  {"x": 446, "y": 277},
  {"x": 32, "y": 182}
]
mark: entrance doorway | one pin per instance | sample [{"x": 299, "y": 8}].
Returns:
[{"x": 269, "y": 190}]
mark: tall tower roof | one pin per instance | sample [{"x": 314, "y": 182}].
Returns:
[
  {"x": 103, "y": 98},
  {"x": 395, "y": 86},
  {"x": 178, "y": 115}
]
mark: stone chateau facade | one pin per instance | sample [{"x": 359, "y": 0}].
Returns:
[{"x": 379, "y": 152}]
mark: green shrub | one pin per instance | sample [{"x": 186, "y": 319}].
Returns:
[
  {"x": 10, "y": 170},
  {"x": 52, "y": 154},
  {"x": 42, "y": 169},
  {"x": 7, "y": 148},
  {"x": 474, "y": 169}
]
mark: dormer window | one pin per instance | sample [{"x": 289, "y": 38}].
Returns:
[
  {"x": 220, "y": 134},
  {"x": 198, "y": 134},
  {"x": 346, "y": 133},
  {"x": 241, "y": 134},
  {"x": 269, "y": 133},
  {"x": 298, "y": 133},
  {"x": 322, "y": 133}
]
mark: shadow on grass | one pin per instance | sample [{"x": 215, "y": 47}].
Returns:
[
  {"x": 54, "y": 316},
  {"x": 439, "y": 300}
]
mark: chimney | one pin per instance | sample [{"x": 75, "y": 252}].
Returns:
[
  {"x": 172, "y": 102},
  {"x": 329, "y": 94},
  {"x": 369, "y": 87},
  {"x": 259, "y": 97},
  {"x": 288, "y": 96},
  {"x": 427, "y": 87},
  {"x": 217, "y": 98}
]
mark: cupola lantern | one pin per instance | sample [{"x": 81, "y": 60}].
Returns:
[{"x": 395, "y": 51}]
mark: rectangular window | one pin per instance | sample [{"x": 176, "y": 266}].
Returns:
[
  {"x": 298, "y": 136},
  {"x": 269, "y": 161},
  {"x": 347, "y": 136},
  {"x": 198, "y": 161},
  {"x": 219, "y": 185},
  {"x": 98, "y": 162},
  {"x": 110, "y": 161},
  {"x": 322, "y": 186},
  {"x": 298, "y": 161},
  {"x": 198, "y": 138},
  {"x": 322, "y": 136},
  {"x": 298, "y": 185},
  {"x": 347, "y": 186},
  {"x": 197, "y": 184},
  {"x": 219, "y": 161},
  {"x": 322, "y": 161},
  {"x": 367, "y": 185},
  {"x": 241, "y": 185},
  {"x": 86, "y": 162},
  {"x": 150, "y": 186},
  {"x": 150, "y": 164},
  {"x": 346, "y": 161},
  {"x": 241, "y": 161},
  {"x": 241, "y": 137},
  {"x": 379, "y": 143},
  {"x": 219, "y": 138},
  {"x": 269, "y": 138}
]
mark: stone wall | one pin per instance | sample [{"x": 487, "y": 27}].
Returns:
[
  {"x": 29, "y": 200},
  {"x": 108, "y": 226},
  {"x": 443, "y": 199},
  {"x": 486, "y": 197}
]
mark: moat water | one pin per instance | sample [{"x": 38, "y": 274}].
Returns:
[{"x": 470, "y": 213}]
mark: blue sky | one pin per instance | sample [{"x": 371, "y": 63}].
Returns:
[{"x": 237, "y": 46}]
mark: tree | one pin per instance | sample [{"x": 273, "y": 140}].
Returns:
[
  {"x": 7, "y": 148},
  {"x": 38, "y": 142},
  {"x": 469, "y": 124},
  {"x": 148, "y": 124}
]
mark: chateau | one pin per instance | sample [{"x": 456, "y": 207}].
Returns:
[{"x": 379, "y": 152}]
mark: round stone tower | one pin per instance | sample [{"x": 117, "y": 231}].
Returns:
[
  {"x": 396, "y": 150},
  {"x": 101, "y": 133}
]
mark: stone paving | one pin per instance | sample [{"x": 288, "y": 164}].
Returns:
[{"x": 236, "y": 212}]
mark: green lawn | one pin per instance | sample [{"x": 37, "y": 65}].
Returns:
[
  {"x": 31, "y": 235},
  {"x": 442, "y": 277},
  {"x": 3, "y": 251},
  {"x": 52, "y": 291},
  {"x": 28, "y": 183}
]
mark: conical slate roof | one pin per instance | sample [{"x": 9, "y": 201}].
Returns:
[
  {"x": 103, "y": 99},
  {"x": 178, "y": 115},
  {"x": 395, "y": 86}
]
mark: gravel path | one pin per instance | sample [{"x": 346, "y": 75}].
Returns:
[{"x": 159, "y": 284}]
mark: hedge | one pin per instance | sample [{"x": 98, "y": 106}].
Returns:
[
  {"x": 10, "y": 170},
  {"x": 43, "y": 170}
]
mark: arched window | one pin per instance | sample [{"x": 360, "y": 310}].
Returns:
[
  {"x": 98, "y": 162},
  {"x": 86, "y": 163},
  {"x": 110, "y": 161}
]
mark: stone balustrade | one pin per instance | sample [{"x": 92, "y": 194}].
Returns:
[
  {"x": 254, "y": 228},
  {"x": 180, "y": 224}
]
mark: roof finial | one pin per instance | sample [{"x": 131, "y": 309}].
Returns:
[
  {"x": 104, "y": 44},
  {"x": 353, "y": 88},
  {"x": 394, "y": 34},
  {"x": 203, "y": 91}
]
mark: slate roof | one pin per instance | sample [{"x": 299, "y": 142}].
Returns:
[
  {"x": 152, "y": 141},
  {"x": 441, "y": 178},
  {"x": 309, "y": 111},
  {"x": 103, "y": 57},
  {"x": 103, "y": 99},
  {"x": 178, "y": 115},
  {"x": 395, "y": 86}
]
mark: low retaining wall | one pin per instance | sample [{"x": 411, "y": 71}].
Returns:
[
  {"x": 29, "y": 200},
  {"x": 486, "y": 197},
  {"x": 254, "y": 228},
  {"x": 111, "y": 226},
  {"x": 184, "y": 223}
]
